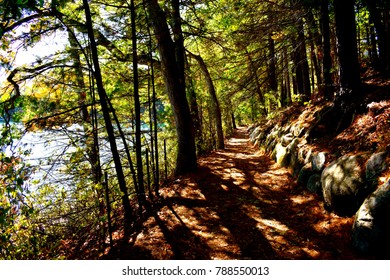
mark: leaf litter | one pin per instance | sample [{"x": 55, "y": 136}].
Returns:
[{"x": 240, "y": 205}]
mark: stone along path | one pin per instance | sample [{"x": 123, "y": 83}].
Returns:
[{"x": 240, "y": 205}]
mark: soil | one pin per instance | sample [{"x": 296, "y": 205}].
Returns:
[{"x": 239, "y": 205}]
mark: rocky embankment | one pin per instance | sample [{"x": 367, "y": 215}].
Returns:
[{"x": 350, "y": 181}]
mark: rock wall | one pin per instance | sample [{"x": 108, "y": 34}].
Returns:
[{"x": 347, "y": 183}]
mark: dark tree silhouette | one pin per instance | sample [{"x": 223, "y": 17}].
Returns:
[
  {"x": 107, "y": 119},
  {"x": 172, "y": 63}
]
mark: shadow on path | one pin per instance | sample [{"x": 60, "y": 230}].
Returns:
[{"x": 241, "y": 205}]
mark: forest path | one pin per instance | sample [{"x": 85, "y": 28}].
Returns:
[{"x": 241, "y": 205}]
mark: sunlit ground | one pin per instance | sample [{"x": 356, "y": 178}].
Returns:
[{"x": 242, "y": 205}]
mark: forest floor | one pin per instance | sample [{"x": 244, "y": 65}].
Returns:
[{"x": 239, "y": 205}]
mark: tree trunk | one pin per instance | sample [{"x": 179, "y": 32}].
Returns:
[
  {"x": 373, "y": 45},
  {"x": 256, "y": 79},
  {"x": 315, "y": 45},
  {"x": 347, "y": 97},
  {"x": 234, "y": 125},
  {"x": 283, "y": 93},
  {"x": 195, "y": 116},
  {"x": 382, "y": 35},
  {"x": 91, "y": 137},
  {"x": 349, "y": 75},
  {"x": 303, "y": 76},
  {"x": 109, "y": 127},
  {"x": 326, "y": 56},
  {"x": 287, "y": 76},
  {"x": 173, "y": 74},
  {"x": 137, "y": 106},
  {"x": 213, "y": 95},
  {"x": 272, "y": 80},
  {"x": 154, "y": 113}
]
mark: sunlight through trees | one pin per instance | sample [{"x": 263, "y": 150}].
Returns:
[{"x": 125, "y": 95}]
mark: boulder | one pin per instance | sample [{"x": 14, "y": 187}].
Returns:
[
  {"x": 261, "y": 136},
  {"x": 374, "y": 167},
  {"x": 304, "y": 174},
  {"x": 287, "y": 139},
  {"x": 318, "y": 161},
  {"x": 314, "y": 184},
  {"x": 280, "y": 154},
  {"x": 297, "y": 129},
  {"x": 294, "y": 163},
  {"x": 343, "y": 184},
  {"x": 371, "y": 228},
  {"x": 270, "y": 144},
  {"x": 254, "y": 134}
]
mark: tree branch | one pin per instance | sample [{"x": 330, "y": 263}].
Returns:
[{"x": 5, "y": 29}]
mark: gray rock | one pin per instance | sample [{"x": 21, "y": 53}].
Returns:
[
  {"x": 304, "y": 174},
  {"x": 374, "y": 167},
  {"x": 343, "y": 184},
  {"x": 270, "y": 144},
  {"x": 303, "y": 154},
  {"x": 314, "y": 184},
  {"x": 318, "y": 161},
  {"x": 280, "y": 154},
  {"x": 261, "y": 139},
  {"x": 293, "y": 150},
  {"x": 297, "y": 129},
  {"x": 254, "y": 134},
  {"x": 287, "y": 139},
  {"x": 371, "y": 228},
  {"x": 261, "y": 136}
]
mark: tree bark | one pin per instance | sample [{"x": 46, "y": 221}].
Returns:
[
  {"x": 137, "y": 106},
  {"x": 253, "y": 69},
  {"x": 347, "y": 96},
  {"x": 326, "y": 56},
  {"x": 175, "y": 84},
  {"x": 383, "y": 35},
  {"x": 303, "y": 76},
  {"x": 349, "y": 75},
  {"x": 106, "y": 115},
  {"x": 272, "y": 80},
  {"x": 194, "y": 108},
  {"x": 214, "y": 98},
  {"x": 91, "y": 138}
]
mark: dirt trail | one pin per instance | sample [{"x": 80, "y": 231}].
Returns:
[{"x": 241, "y": 205}]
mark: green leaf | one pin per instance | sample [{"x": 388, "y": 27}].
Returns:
[{"x": 19, "y": 181}]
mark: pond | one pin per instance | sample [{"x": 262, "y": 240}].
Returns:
[
  {"x": 46, "y": 152},
  {"x": 49, "y": 152}
]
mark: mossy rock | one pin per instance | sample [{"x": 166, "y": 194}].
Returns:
[
  {"x": 314, "y": 184},
  {"x": 371, "y": 228},
  {"x": 343, "y": 184}
]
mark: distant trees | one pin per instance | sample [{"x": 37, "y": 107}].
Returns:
[
  {"x": 380, "y": 37},
  {"x": 310, "y": 47},
  {"x": 327, "y": 84}
]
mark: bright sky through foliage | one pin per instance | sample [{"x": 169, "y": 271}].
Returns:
[{"x": 48, "y": 46}]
